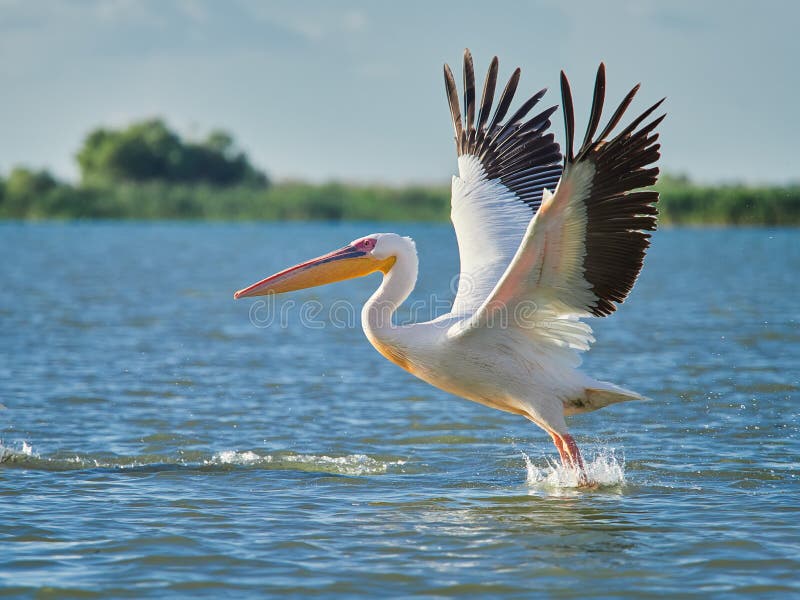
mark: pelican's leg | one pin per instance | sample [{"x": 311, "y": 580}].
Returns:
[
  {"x": 562, "y": 450},
  {"x": 574, "y": 453},
  {"x": 570, "y": 455}
]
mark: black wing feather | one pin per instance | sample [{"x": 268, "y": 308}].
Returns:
[
  {"x": 506, "y": 98},
  {"x": 469, "y": 91},
  {"x": 597, "y": 103},
  {"x": 488, "y": 94},
  {"x": 452, "y": 98},
  {"x": 569, "y": 116},
  {"x": 618, "y": 218},
  {"x": 518, "y": 152}
]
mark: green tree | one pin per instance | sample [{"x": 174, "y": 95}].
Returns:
[
  {"x": 24, "y": 189},
  {"x": 149, "y": 151}
]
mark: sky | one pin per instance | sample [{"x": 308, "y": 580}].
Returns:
[{"x": 353, "y": 91}]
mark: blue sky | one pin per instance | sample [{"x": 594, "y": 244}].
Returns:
[{"x": 353, "y": 90}]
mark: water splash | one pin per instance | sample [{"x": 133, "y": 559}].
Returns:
[
  {"x": 232, "y": 457},
  {"x": 352, "y": 464},
  {"x": 604, "y": 470},
  {"x": 8, "y": 454}
]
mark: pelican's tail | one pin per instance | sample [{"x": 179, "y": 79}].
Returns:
[{"x": 599, "y": 394}]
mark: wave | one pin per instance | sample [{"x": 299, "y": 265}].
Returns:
[{"x": 24, "y": 457}]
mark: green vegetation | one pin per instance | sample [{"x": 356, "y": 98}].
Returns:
[
  {"x": 158, "y": 200},
  {"x": 683, "y": 202},
  {"x": 147, "y": 171}
]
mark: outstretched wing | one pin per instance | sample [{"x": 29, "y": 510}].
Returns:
[
  {"x": 583, "y": 251},
  {"x": 504, "y": 165}
]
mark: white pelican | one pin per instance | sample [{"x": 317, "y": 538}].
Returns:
[{"x": 533, "y": 263}]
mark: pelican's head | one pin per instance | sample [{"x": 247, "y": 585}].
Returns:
[{"x": 376, "y": 252}]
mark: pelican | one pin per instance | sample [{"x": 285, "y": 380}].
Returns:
[{"x": 545, "y": 241}]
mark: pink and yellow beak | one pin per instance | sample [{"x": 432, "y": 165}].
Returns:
[{"x": 345, "y": 263}]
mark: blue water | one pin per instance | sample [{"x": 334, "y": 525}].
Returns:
[{"x": 156, "y": 438}]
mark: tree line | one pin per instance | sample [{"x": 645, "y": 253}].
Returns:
[{"x": 148, "y": 171}]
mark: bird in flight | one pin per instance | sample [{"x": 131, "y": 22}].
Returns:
[{"x": 545, "y": 241}]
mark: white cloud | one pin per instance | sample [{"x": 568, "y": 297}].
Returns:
[
  {"x": 355, "y": 20},
  {"x": 125, "y": 11},
  {"x": 194, "y": 9}
]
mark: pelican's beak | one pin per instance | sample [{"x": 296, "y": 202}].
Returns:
[{"x": 346, "y": 263}]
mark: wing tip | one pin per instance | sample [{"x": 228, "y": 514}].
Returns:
[{"x": 569, "y": 117}]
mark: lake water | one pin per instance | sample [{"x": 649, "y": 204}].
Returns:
[{"x": 158, "y": 439}]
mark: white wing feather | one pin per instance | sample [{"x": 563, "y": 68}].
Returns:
[
  {"x": 487, "y": 211},
  {"x": 542, "y": 292}
]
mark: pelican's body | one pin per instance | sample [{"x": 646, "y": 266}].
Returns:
[
  {"x": 497, "y": 366},
  {"x": 533, "y": 263}
]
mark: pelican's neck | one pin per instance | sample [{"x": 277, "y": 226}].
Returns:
[{"x": 397, "y": 284}]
